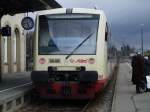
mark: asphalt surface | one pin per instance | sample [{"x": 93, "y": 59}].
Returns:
[
  {"x": 126, "y": 99},
  {"x": 14, "y": 80}
]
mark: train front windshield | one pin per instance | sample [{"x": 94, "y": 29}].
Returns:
[{"x": 69, "y": 33}]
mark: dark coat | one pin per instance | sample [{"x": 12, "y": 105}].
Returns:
[{"x": 137, "y": 69}]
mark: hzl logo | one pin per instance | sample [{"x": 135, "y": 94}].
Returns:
[{"x": 83, "y": 61}]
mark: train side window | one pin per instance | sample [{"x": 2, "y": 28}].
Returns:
[{"x": 106, "y": 32}]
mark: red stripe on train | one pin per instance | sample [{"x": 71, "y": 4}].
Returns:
[
  {"x": 56, "y": 87},
  {"x": 100, "y": 84}
]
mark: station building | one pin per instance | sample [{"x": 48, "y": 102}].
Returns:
[{"x": 13, "y": 47}]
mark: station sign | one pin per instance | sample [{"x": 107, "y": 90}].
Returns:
[{"x": 6, "y": 31}]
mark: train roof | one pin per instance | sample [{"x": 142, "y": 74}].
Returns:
[{"x": 73, "y": 10}]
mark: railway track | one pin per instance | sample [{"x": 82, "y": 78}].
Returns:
[
  {"x": 56, "y": 106},
  {"x": 101, "y": 103}
]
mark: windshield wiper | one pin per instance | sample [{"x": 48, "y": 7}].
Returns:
[{"x": 86, "y": 38}]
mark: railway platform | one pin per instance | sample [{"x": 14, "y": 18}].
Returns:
[
  {"x": 125, "y": 97},
  {"x": 14, "y": 80},
  {"x": 14, "y": 91}
]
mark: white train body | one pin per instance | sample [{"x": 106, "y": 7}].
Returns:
[{"x": 71, "y": 54}]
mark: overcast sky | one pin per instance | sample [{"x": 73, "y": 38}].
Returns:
[{"x": 124, "y": 17}]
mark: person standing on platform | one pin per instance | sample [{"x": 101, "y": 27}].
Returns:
[
  {"x": 133, "y": 64},
  {"x": 138, "y": 77}
]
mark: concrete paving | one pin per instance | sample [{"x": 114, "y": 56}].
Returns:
[
  {"x": 125, "y": 98},
  {"x": 14, "y": 91}
]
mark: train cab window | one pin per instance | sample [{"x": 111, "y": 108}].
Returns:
[
  {"x": 61, "y": 34},
  {"x": 106, "y": 32}
]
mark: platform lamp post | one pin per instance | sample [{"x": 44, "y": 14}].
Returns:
[{"x": 141, "y": 30}]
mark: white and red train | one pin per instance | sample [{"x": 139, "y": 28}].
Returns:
[{"x": 71, "y": 53}]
